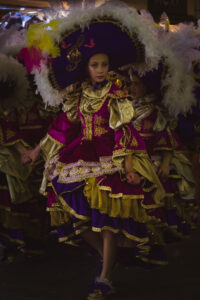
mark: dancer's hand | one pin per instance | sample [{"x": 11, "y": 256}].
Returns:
[
  {"x": 33, "y": 154},
  {"x": 133, "y": 178},
  {"x": 163, "y": 171},
  {"x": 25, "y": 158},
  {"x": 23, "y": 153}
]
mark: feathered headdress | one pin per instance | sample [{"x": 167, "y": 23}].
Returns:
[{"x": 65, "y": 44}]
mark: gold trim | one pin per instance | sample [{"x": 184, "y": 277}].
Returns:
[
  {"x": 162, "y": 148},
  {"x": 71, "y": 210},
  {"x": 122, "y": 152},
  {"x": 169, "y": 195},
  {"x": 120, "y": 195},
  {"x": 137, "y": 123},
  {"x": 53, "y": 78},
  {"x": 152, "y": 206},
  {"x": 84, "y": 228},
  {"x": 11, "y": 239},
  {"x": 128, "y": 235},
  {"x": 55, "y": 141},
  {"x": 76, "y": 224},
  {"x": 150, "y": 189},
  {"x": 153, "y": 261},
  {"x": 31, "y": 127},
  {"x": 65, "y": 238},
  {"x": 172, "y": 139},
  {"x": 175, "y": 176},
  {"x": 13, "y": 143},
  {"x": 146, "y": 134},
  {"x": 82, "y": 177}
]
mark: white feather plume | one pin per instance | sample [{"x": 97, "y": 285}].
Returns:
[
  {"x": 51, "y": 96},
  {"x": 12, "y": 71},
  {"x": 180, "y": 49}
]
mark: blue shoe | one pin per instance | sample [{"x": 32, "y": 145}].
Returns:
[{"x": 100, "y": 289}]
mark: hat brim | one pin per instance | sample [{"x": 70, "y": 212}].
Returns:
[{"x": 103, "y": 36}]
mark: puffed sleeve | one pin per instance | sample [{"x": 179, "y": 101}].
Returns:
[
  {"x": 166, "y": 138},
  {"x": 10, "y": 162},
  {"x": 121, "y": 113},
  {"x": 62, "y": 132},
  {"x": 127, "y": 139}
]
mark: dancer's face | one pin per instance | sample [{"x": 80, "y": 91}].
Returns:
[
  {"x": 98, "y": 67},
  {"x": 137, "y": 87}
]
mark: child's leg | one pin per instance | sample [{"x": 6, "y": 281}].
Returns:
[
  {"x": 109, "y": 253},
  {"x": 94, "y": 240}
]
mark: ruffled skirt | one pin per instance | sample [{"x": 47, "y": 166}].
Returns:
[{"x": 104, "y": 203}]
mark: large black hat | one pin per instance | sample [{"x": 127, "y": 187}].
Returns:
[{"x": 102, "y": 36}]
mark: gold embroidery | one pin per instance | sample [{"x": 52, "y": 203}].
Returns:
[
  {"x": 134, "y": 142},
  {"x": 74, "y": 55},
  {"x": 98, "y": 120},
  {"x": 172, "y": 139},
  {"x": 98, "y": 130},
  {"x": 87, "y": 131},
  {"x": 120, "y": 93},
  {"x": 91, "y": 103},
  {"x": 162, "y": 141}
]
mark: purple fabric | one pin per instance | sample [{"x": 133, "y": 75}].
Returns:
[
  {"x": 129, "y": 225},
  {"x": 64, "y": 131},
  {"x": 75, "y": 199},
  {"x": 181, "y": 226},
  {"x": 14, "y": 236},
  {"x": 102, "y": 287},
  {"x": 62, "y": 188},
  {"x": 79, "y": 204},
  {"x": 170, "y": 185},
  {"x": 78, "y": 147},
  {"x": 118, "y": 186}
]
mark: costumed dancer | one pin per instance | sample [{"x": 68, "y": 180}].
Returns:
[
  {"x": 97, "y": 168},
  {"x": 185, "y": 42},
  {"x": 33, "y": 120},
  {"x": 188, "y": 128},
  {"x": 22, "y": 211},
  {"x": 155, "y": 126},
  {"x": 13, "y": 174}
]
